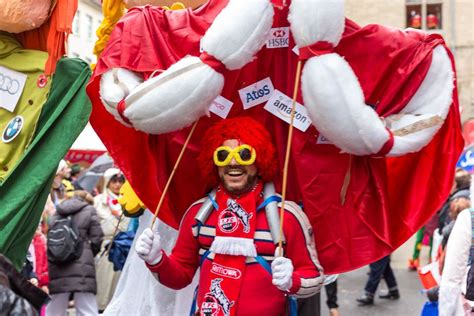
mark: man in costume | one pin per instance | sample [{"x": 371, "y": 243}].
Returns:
[
  {"x": 230, "y": 238},
  {"x": 373, "y": 124}
]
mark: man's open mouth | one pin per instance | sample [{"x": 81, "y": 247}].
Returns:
[{"x": 235, "y": 172}]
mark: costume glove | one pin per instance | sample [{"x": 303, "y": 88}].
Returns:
[
  {"x": 282, "y": 273},
  {"x": 148, "y": 247}
]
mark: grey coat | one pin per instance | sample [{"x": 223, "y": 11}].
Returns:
[{"x": 78, "y": 275}]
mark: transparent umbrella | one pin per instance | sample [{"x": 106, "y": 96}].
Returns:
[{"x": 88, "y": 180}]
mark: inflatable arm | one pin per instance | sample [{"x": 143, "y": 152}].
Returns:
[
  {"x": 334, "y": 97},
  {"x": 183, "y": 93}
]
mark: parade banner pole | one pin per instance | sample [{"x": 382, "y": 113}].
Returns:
[
  {"x": 162, "y": 198},
  {"x": 287, "y": 155}
]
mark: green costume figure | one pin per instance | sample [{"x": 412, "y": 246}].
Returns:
[{"x": 41, "y": 114}]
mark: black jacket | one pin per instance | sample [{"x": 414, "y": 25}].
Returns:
[
  {"x": 17, "y": 295},
  {"x": 78, "y": 275}
]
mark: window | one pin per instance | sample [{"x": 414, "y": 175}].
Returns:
[
  {"x": 89, "y": 26},
  {"x": 76, "y": 23},
  {"x": 433, "y": 16},
  {"x": 424, "y": 14}
]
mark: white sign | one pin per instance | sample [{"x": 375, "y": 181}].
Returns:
[
  {"x": 296, "y": 50},
  {"x": 221, "y": 106},
  {"x": 279, "y": 37},
  {"x": 12, "y": 84},
  {"x": 256, "y": 93},
  {"x": 13, "y": 129},
  {"x": 201, "y": 49},
  {"x": 280, "y": 106}
]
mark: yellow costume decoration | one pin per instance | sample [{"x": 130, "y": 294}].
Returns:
[
  {"x": 113, "y": 10},
  {"x": 131, "y": 204}
]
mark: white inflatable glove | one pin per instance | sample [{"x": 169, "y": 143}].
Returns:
[
  {"x": 331, "y": 91},
  {"x": 148, "y": 247},
  {"x": 115, "y": 85},
  {"x": 183, "y": 93},
  {"x": 334, "y": 98},
  {"x": 282, "y": 272}
]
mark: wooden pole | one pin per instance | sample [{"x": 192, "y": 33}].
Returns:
[
  {"x": 162, "y": 198},
  {"x": 287, "y": 155}
]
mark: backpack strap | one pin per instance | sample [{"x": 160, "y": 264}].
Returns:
[
  {"x": 205, "y": 210},
  {"x": 271, "y": 211}
]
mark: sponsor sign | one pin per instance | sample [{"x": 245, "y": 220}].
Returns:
[
  {"x": 280, "y": 104},
  {"x": 225, "y": 271},
  {"x": 466, "y": 161},
  {"x": 221, "y": 107},
  {"x": 256, "y": 93},
  {"x": 201, "y": 49},
  {"x": 296, "y": 50},
  {"x": 13, "y": 129},
  {"x": 12, "y": 84},
  {"x": 228, "y": 222},
  {"x": 279, "y": 37},
  {"x": 209, "y": 306}
]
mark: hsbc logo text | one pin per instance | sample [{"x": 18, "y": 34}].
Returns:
[{"x": 279, "y": 37}]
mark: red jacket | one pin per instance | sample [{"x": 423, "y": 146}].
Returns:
[
  {"x": 258, "y": 296},
  {"x": 41, "y": 259}
]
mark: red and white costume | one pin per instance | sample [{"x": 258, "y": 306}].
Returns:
[
  {"x": 365, "y": 201},
  {"x": 257, "y": 295}
]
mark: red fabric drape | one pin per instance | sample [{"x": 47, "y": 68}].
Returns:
[{"x": 387, "y": 199}]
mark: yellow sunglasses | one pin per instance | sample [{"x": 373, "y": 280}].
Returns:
[{"x": 245, "y": 155}]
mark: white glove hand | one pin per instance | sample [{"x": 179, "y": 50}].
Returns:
[
  {"x": 282, "y": 272},
  {"x": 148, "y": 247}
]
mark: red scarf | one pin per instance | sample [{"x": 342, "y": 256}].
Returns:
[{"x": 235, "y": 229}]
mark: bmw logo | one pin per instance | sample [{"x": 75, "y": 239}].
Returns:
[{"x": 13, "y": 129}]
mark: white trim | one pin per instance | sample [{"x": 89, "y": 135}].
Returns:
[{"x": 235, "y": 246}]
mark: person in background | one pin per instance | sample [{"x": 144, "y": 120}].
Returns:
[
  {"x": 378, "y": 270},
  {"x": 460, "y": 188},
  {"x": 28, "y": 269},
  {"x": 17, "y": 295},
  {"x": 331, "y": 302},
  {"x": 311, "y": 306},
  {"x": 441, "y": 219},
  {"x": 457, "y": 205},
  {"x": 78, "y": 276},
  {"x": 112, "y": 222},
  {"x": 61, "y": 187},
  {"x": 458, "y": 256},
  {"x": 41, "y": 259},
  {"x": 76, "y": 170}
]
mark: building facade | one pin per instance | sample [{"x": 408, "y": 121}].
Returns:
[
  {"x": 86, "y": 21},
  {"x": 453, "y": 19}
]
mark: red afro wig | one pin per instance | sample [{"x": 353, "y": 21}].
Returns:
[{"x": 247, "y": 131}]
